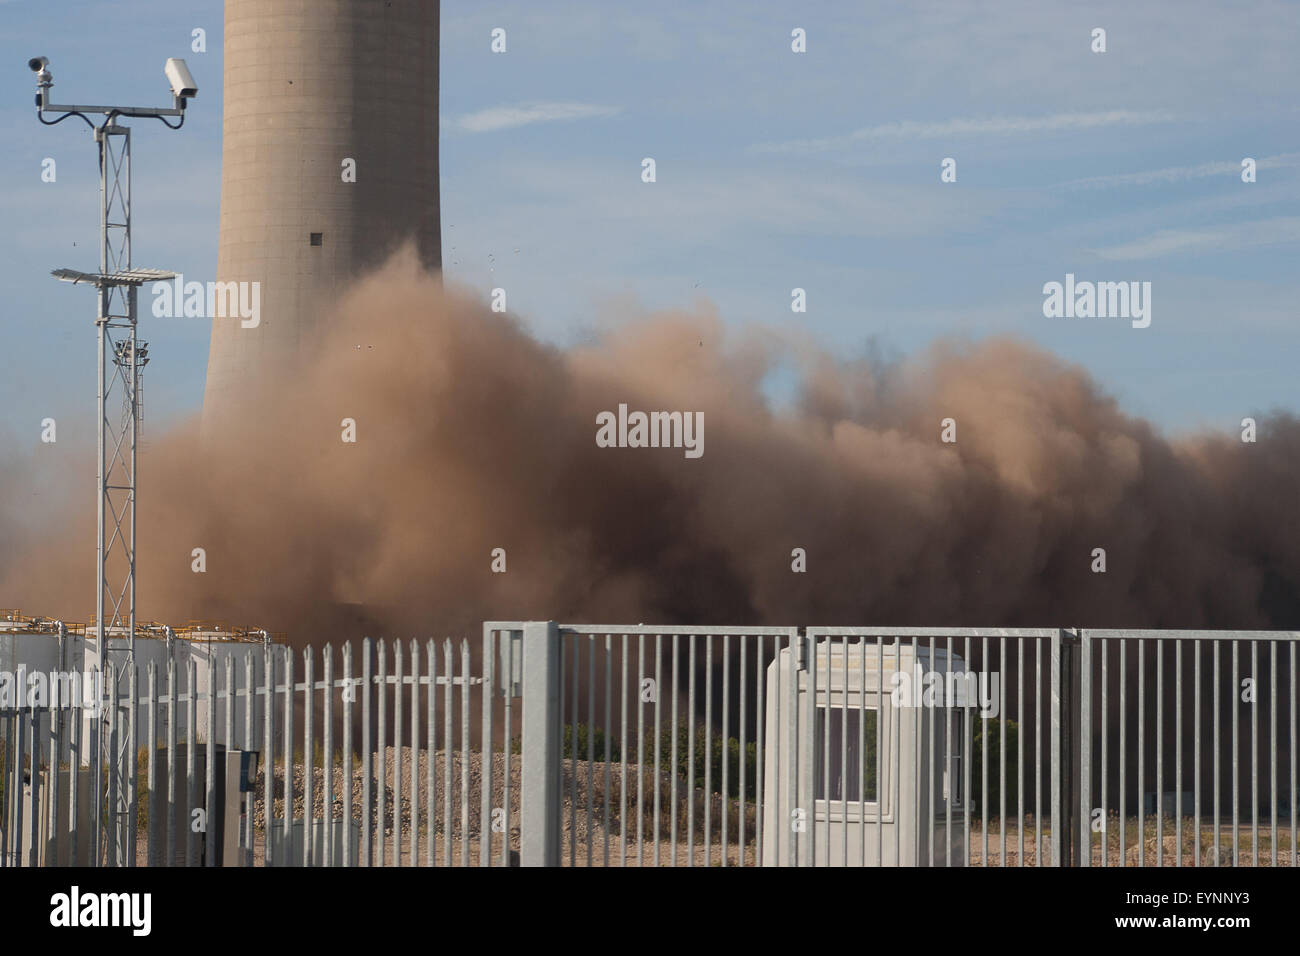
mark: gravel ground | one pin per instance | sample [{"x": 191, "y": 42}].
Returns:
[
  {"x": 575, "y": 832},
  {"x": 596, "y": 842}
]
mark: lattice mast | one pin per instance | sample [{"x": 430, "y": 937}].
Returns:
[{"x": 121, "y": 357}]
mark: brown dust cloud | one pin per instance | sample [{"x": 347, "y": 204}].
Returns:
[{"x": 471, "y": 436}]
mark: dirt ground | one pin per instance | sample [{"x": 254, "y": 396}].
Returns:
[{"x": 589, "y": 794}]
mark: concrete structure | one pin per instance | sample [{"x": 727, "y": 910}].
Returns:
[{"x": 308, "y": 87}]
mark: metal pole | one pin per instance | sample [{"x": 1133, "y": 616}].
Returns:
[
  {"x": 101, "y": 323},
  {"x": 1058, "y": 750}
]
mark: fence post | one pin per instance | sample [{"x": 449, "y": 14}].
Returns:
[
  {"x": 1059, "y": 749},
  {"x": 1073, "y": 755},
  {"x": 1066, "y": 790},
  {"x": 1084, "y": 782},
  {"x": 539, "y": 796}
]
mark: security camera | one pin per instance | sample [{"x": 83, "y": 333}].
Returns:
[
  {"x": 44, "y": 78},
  {"x": 178, "y": 74}
]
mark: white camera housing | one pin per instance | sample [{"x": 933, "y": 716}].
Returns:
[
  {"x": 178, "y": 74},
  {"x": 38, "y": 64}
]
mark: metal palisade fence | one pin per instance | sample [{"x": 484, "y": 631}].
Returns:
[
  {"x": 380, "y": 755},
  {"x": 585, "y": 745}
]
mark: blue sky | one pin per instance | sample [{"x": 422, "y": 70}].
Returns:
[{"x": 775, "y": 170}]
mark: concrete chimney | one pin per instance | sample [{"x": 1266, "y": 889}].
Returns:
[{"x": 314, "y": 90}]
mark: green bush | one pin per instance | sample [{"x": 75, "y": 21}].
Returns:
[
  {"x": 587, "y": 736},
  {"x": 714, "y": 755},
  {"x": 995, "y": 749},
  {"x": 712, "y": 752},
  {"x": 584, "y": 738}
]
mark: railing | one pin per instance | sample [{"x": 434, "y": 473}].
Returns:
[{"x": 587, "y": 745}]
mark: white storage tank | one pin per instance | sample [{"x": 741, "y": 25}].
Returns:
[
  {"x": 23, "y": 645},
  {"x": 211, "y": 650},
  {"x": 886, "y": 802},
  {"x": 151, "y": 647},
  {"x": 30, "y": 646}
]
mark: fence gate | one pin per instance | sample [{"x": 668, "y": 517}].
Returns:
[
  {"x": 701, "y": 746},
  {"x": 1190, "y": 755}
]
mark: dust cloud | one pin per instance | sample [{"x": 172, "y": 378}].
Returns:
[{"x": 472, "y": 436}]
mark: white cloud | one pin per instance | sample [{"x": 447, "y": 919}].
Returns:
[
  {"x": 1178, "y": 174},
  {"x": 1235, "y": 236},
  {"x": 990, "y": 126},
  {"x": 524, "y": 114}
]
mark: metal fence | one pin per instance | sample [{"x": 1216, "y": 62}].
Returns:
[
  {"x": 744, "y": 746},
  {"x": 382, "y": 758},
  {"x": 1181, "y": 728},
  {"x": 587, "y": 745},
  {"x": 679, "y": 746},
  {"x": 981, "y": 780},
  {"x": 657, "y": 730}
]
